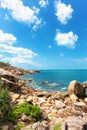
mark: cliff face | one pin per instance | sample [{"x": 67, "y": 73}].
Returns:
[{"x": 10, "y": 80}]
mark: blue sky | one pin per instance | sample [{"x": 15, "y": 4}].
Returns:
[{"x": 44, "y": 34}]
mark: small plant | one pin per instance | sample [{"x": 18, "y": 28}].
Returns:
[
  {"x": 57, "y": 127},
  {"x": 20, "y": 125},
  {"x": 4, "y": 104},
  {"x": 30, "y": 110}
]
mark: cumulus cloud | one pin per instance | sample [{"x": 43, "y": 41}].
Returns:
[
  {"x": 20, "y": 12},
  {"x": 63, "y": 11},
  {"x": 7, "y": 38},
  {"x": 66, "y": 39},
  {"x": 43, "y": 3},
  {"x": 23, "y": 52},
  {"x": 17, "y": 54}
]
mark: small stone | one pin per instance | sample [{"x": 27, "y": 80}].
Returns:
[
  {"x": 24, "y": 118},
  {"x": 14, "y": 97},
  {"x": 29, "y": 99},
  {"x": 59, "y": 104},
  {"x": 80, "y": 104},
  {"x": 85, "y": 100},
  {"x": 74, "y": 98},
  {"x": 30, "y": 79}
]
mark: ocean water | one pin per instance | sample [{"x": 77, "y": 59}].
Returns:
[{"x": 55, "y": 80}]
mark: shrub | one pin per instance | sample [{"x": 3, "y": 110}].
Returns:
[
  {"x": 4, "y": 104},
  {"x": 20, "y": 125},
  {"x": 30, "y": 110},
  {"x": 2, "y": 64},
  {"x": 57, "y": 127}
]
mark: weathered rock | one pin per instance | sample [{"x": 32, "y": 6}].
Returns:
[
  {"x": 43, "y": 94},
  {"x": 59, "y": 96},
  {"x": 76, "y": 88},
  {"x": 37, "y": 126},
  {"x": 30, "y": 79},
  {"x": 24, "y": 118},
  {"x": 59, "y": 104},
  {"x": 85, "y": 100},
  {"x": 12, "y": 86},
  {"x": 74, "y": 98},
  {"x": 29, "y": 99},
  {"x": 14, "y": 96},
  {"x": 74, "y": 123},
  {"x": 84, "y": 84},
  {"x": 80, "y": 106},
  {"x": 42, "y": 100}
]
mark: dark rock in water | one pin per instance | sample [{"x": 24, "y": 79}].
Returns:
[
  {"x": 77, "y": 89},
  {"x": 44, "y": 82},
  {"x": 53, "y": 84},
  {"x": 30, "y": 80},
  {"x": 74, "y": 123}
]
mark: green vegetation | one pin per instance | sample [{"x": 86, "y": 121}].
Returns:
[
  {"x": 20, "y": 125},
  {"x": 13, "y": 115},
  {"x": 4, "y": 104},
  {"x": 57, "y": 127},
  {"x": 2, "y": 64},
  {"x": 30, "y": 110}
]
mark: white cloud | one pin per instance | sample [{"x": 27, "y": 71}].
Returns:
[
  {"x": 49, "y": 46},
  {"x": 1, "y": 55},
  {"x": 17, "y": 51},
  {"x": 15, "y": 54},
  {"x": 20, "y": 12},
  {"x": 21, "y": 62},
  {"x": 63, "y": 11},
  {"x": 43, "y": 3},
  {"x": 66, "y": 39},
  {"x": 7, "y": 38}
]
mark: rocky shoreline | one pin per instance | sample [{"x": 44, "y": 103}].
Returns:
[{"x": 66, "y": 108}]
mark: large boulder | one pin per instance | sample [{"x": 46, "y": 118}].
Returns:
[
  {"x": 76, "y": 88},
  {"x": 74, "y": 123}
]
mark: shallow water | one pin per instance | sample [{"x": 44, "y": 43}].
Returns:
[{"x": 56, "y": 80}]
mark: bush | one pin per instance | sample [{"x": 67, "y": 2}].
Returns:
[
  {"x": 57, "y": 127},
  {"x": 20, "y": 125},
  {"x": 4, "y": 104},
  {"x": 30, "y": 110},
  {"x": 2, "y": 64}
]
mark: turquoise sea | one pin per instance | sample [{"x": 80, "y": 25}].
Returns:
[{"x": 55, "y": 80}]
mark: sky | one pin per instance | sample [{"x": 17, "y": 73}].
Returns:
[{"x": 44, "y": 34}]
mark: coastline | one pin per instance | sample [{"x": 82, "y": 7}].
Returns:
[{"x": 57, "y": 107}]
